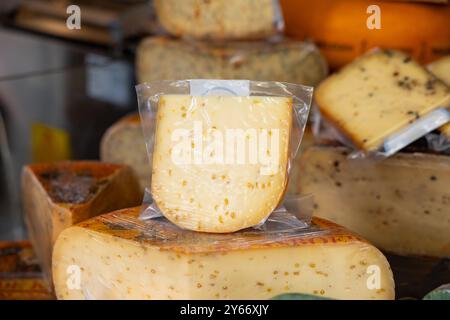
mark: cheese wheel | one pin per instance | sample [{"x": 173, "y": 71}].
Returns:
[
  {"x": 57, "y": 195},
  {"x": 339, "y": 27},
  {"x": 219, "y": 19},
  {"x": 401, "y": 204},
  {"x": 162, "y": 58},
  {"x": 119, "y": 256},
  {"x": 124, "y": 143}
]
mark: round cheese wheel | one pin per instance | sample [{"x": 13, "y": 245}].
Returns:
[{"x": 339, "y": 27}]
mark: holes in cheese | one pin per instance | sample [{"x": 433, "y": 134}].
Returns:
[
  {"x": 118, "y": 256},
  {"x": 378, "y": 94},
  {"x": 220, "y": 162}
]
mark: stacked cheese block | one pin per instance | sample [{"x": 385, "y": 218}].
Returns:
[
  {"x": 122, "y": 257},
  {"x": 215, "y": 40},
  {"x": 401, "y": 203},
  {"x": 226, "y": 40}
]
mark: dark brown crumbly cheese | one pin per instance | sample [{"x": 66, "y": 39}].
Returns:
[{"x": 70, "y": 187}]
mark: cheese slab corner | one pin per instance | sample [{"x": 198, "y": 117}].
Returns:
[
  {"x": 379, "y": 94},
  {"x": 119, "y": 256},
  {"x": 58, "y": 195},
  {"x": 400, "y": 204},
  {"x": 233, "y": 150}
]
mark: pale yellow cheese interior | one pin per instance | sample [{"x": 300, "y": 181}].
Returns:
[
  {"x": 119, "y": 257},
  {"x": 204, "y": 194},
  {"x": 400, "y": 204},
  {"x": 378, "y": 94}
]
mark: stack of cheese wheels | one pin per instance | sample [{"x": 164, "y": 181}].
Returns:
[
  {"x": 340, "y": 27},
  {"x": 226, "y": 39}
]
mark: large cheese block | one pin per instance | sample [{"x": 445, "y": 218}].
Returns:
[
  {"x": 124, "y": 143},
  {"x": 57, "y": 195},
  {"x": 340, "y": 27},
  {"x": 379, "y": 94},
  {"x": 441, "y": 69},
  {"x": 289, "y": 61},
  {"x": 220, "y": 19},
  {"x": 119, "y": 256},
  {"x": 400, "y": 204},
  {"x": 229, "y": 170}
]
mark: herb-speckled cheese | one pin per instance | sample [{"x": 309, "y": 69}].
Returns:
[
  {"x": 400, "y": 204},
  {"x": 119, "y": 256},
  {"x": 378, "y": 94},
  {"x": 289, "y": 61},
  {"x": 124, "y": 143},
  {"x": 234, "y": 190},
  {"x": 219, "y": 19},
  {"x": 58, "y": 195},
  {"x": 441, "y": 69}
]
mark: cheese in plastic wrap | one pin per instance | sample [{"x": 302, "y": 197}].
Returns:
[
  {"x": 221, "y": 150},
  {"x": 119, "y": 256}
]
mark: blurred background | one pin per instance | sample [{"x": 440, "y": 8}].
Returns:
[{"x": 60, "y": 88}]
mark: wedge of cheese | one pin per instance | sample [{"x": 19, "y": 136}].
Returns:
[
  {"x": 441, "y": 69},
  {"x": 119, "y": 256},
  {"x": 400, "y": 204},
  {"x": 162, "y": 58},
  {"x": 378, "y": 94},
  {"x": 220, "y": 19},
  {"x": 220, "y": 162},
  {"x": 57, "y": 195},
  {"x": 124, "y": 143}
]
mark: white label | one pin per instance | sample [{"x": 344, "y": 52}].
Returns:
[{"x": 219, "y": 87}]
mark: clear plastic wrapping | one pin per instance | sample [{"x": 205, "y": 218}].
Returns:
[
  {"x": 325, "y": 132},
  {"x": 221, "y": 151}
]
